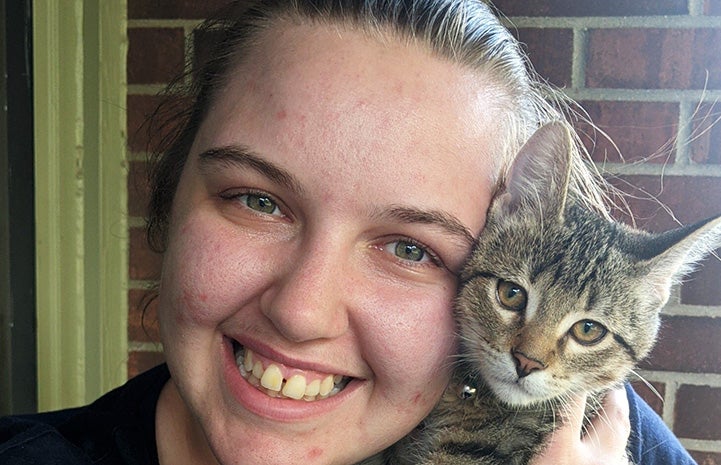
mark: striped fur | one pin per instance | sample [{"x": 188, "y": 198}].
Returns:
[{"x": 575, "y": 266}]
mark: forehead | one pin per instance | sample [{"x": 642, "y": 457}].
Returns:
[
  {"x": 336, "y": 71},
  {"x": 330, "y": 94}
]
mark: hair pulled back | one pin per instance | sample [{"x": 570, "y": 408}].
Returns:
[{"x": 466, "y": 32}]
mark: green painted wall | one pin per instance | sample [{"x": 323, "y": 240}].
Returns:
[{"x": 80, "y": 174}]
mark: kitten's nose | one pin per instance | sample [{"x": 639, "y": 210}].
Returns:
[{"x": 526, "y": 365}]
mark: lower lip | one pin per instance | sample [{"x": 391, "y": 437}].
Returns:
[{"x": 277, "y": 409}]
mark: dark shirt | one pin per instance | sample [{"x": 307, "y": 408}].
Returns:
[
  {"x": 119, "y": 429},
  {"x": 651, "y": 441}
]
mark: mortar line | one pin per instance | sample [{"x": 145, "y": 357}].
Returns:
[
  {"x": 683, "y": 134},
  {"x": 616, "y": 22},
  {"x": 669, "y": 404},
  {"x": 579, "y": 58},
  {"x": 695, "y": 7}
]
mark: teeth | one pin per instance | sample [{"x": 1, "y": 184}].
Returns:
[
  {"x": 312, "y": 389},
  {"x": 258, "y": 370},
  {"x": 326, "y": 386},
  {"x": 295, "y": 387},
  {"x": 270, "y": 380},
  {"x": 248, "y": 361}
]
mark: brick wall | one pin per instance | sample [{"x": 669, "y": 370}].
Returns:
[{"x": 648, "y": 73}]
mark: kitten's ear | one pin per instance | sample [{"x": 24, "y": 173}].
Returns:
[
  {"x": 673, "y": 254},
  {"x": 539, "y": 176}
]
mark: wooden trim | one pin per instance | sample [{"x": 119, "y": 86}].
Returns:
[{"x": 80, "y": 175}]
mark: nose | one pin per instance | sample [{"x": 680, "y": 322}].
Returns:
[
  {"x": 306, "y": 300},
  {"x": 525, "y": 365}
]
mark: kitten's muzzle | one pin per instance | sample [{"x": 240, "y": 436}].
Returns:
[{"x": 526, "y": 365}]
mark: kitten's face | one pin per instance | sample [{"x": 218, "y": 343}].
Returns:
[
  {"x": 547, "y": 312},
  {"x": 556, "y": 300}
]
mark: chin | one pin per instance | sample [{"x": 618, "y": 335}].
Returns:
[{"x": 520, "y": 393}]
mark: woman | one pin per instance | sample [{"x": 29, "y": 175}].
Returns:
[{"x": 313, "y": 210}]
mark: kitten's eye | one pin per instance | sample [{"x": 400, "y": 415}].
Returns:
[
  {"x": 588, "y": 332},
  {"x": 260, "y": 203},
  {"x": 511, "y": 296}
]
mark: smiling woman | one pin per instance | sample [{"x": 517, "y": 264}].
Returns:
[{"x": 313, "y": 209}]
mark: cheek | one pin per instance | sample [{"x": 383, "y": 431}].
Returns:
[
  {"x": 415, "y": 340},
  {"x": 208, "y": 272}
]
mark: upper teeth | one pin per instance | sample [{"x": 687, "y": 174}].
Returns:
[{"x": 295, "y": 387}]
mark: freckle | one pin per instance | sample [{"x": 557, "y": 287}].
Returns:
[
  {"x": 315, "y": 452},
  {"x": 281, "y": 114}
]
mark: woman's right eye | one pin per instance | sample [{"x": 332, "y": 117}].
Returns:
[
  {"x": 256, "y": 201},
  {"x": 260, "y": 203}
]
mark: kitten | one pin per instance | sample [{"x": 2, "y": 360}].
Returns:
[{"x": 554, "y": 301}]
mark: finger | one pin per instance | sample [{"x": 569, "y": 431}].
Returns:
[
  {"x": 610, "y": 429},
  {"x": 573, "y": 414},
  {"x": 564, "y": 446}
]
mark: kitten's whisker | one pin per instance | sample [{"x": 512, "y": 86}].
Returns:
[{"x": 648, "y": 385}]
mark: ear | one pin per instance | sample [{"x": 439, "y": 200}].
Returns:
[
  {"x": 539, "y": 176},
  {"x": 671, "y": 255}
]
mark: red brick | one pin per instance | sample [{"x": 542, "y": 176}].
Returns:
[
  {"x": 144, "y": 263},
  {"x": 171, "y": 9},
  {"x": 142, "y": 316},
  {"x": 590, "y": 8},
  {"x": 139, "y": 110},
  {"x": 139, "y": 362},
  {"x": 639, "y": 130},
  {"x": 654, "y": 58},
  {"x": 691, "y": 199},
  {"x": 706, "y": 134},
  {"x": 551, "y": 52},
  {"x": 698, "y": 412},
  {"x": 683, "y": 345},
  {"x": 138, "y": 189},
  {"x": 147, "y": 128},
  {"x": 703, "y": 286},
  {"x": 712, "y": 7},
  {"x": 651, "y": 398},
  {"x": 706, "y": 458},
  {"x": 155, "y": 55}
]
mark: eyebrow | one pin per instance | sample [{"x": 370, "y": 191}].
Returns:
[
  {"x": 445, "y": 221},
  {"x": 242, "y": 157}
]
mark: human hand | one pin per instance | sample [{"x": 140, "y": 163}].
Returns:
[{"x": 605, "y": 441}]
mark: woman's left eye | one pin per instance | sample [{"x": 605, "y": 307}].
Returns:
[{"x": 410, "y": 251}]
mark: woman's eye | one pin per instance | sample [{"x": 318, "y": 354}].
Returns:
[
  {"x": 260, "y": 203},
  {"x": 511, "y": 296},
  {"x": 588, "y": 332},
  {"x": 408, "y": 251}
]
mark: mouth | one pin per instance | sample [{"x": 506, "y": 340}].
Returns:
[{"x": 280, "y": 381}]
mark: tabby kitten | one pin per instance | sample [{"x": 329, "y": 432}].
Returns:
[{"x": 554, "y": 301}]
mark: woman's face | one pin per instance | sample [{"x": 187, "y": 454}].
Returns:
[{"x": 330, "y": 196}]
